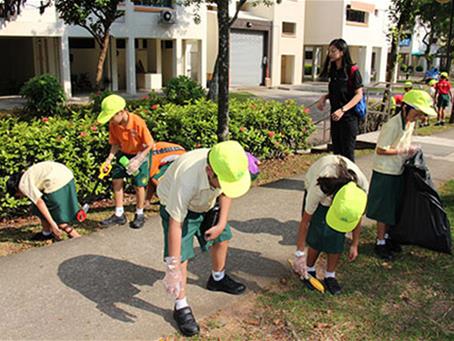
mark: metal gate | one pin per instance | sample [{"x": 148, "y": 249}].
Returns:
[{"x": 246, "y": 57}]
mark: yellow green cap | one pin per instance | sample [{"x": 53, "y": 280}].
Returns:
[
  {"x": 110, "y": 105},
  {"x": 347, "y": 208},
  {"x": 432, "y": 82},
  {"x": 444, "y": 74},
  {"x": 408, "y": 84},
  {"x": 229, "y": 162},
  {"x": 420, "y": 100}
]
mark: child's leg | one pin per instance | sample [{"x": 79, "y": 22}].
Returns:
[
  {"x": 382, "y": 228},
  {"x": 117, "y": 185},
  {"x": 312, "y": 256},
  {"x": 140, "y": 197},
  {"x": 333, "y": 259}
]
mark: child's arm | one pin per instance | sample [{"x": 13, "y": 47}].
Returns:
[
  {"x": 224, "y": 206},
  {"x": 355, "y": 243}
]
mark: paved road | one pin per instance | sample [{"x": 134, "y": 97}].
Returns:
[{"x": 107, "y": 285}]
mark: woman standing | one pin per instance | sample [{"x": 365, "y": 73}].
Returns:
[{"x": 345, "y": 91}]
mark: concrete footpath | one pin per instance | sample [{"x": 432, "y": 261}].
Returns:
[{"x": 108, "y": 285}]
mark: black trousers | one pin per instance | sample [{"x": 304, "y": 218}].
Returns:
[{"x": 343, "y": 136}]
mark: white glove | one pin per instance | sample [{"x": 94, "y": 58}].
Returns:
[
  {"x": 174, "y": 277},
  {"x": 409, "y": 151},
  {"x": 300, "y": 264}
]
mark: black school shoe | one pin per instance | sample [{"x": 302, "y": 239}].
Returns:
[
  {"x": 186, "y": 321},
  {"x": 332, "y": 285},
  {"x": 39, "y": 237},
  {"x": 383, "y": 252},
  {"x": 227, "y": 284},
  {"x": 307, "y": 283},
  {"x": 138, "y": 222},
  {"x": 114, "y": 220},
  {"x": 393, "y": 246}
]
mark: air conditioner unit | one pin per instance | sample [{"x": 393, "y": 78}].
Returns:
[{"x": 168, "y": 16}]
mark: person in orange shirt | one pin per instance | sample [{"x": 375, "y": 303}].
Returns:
[{"x": 129, "y": 137}]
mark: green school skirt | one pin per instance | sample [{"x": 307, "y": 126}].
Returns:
[
  {"x": 62, "y": 204},
  {"x": 321, "y": 237},
  {"x": 191, "y": 229},
  {"x": 141, "y": 179},
  {"x": 385, "y": 194}
]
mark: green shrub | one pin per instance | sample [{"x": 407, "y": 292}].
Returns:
[
  {"x": 403, "y": 67},
  {"x": 182, "y": 89},
  {"x": 308, "y": 69},
  {"x": 96, "y": 99},
  {"x": 44, "y": 95},
  {"x": 419, "y": 68},
  {"x": 75, "y": 142}
]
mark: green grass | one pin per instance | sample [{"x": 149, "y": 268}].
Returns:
[
  {"x": 425, "y": 131},
  {"x": 410, "y": 298},
  {"x": 241, "y": 95}
]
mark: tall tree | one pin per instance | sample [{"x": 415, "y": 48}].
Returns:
[
  {"x": 10, "y": 8},
  {"x": 97, "y": 17}
]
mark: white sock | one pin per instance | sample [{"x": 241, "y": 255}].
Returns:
[
  {"x": 119, "y": 211},
  {"x": 181, "y": 303},
  {"x": 381, "y": 241},
  {"x": 311, "y": 268},
  {"x": 386, "y": 236},
  {"x": 46, "y": 233},
  {"x": 139, "y": 211},
  {"x": 330, "y": 274},
  {"x": 218, "y": 275}
]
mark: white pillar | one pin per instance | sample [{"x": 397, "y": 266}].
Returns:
[
  {"x": 158, "y": 56},
  {"x": 130, "y": 66},
  {"x": 381, "y": 73},
  {"x": 366, "y": 63},
  {"x": 315, "y": 62},
  {"x": 113, "y": 64},
  {"x": 65, "y": 65},
  {"x": 177, "y": 65},
  {"x": 203, "y": 62}
]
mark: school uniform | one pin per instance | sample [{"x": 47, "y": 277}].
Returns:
[
  {"x": 387, "y": 177},
  {"x": 443, "y": 88},
  {"x": 54, "y": 184},
  {"x": 320, "y": 235},
  {"x": 186, "y": 195},
  {"x": 132, "y": 139}
]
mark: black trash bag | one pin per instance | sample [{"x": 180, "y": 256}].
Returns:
[{"x": 423, "y": 220}]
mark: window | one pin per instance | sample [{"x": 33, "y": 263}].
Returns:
[
  {"x": 81, "y": 43},
  {"x": 356, "y": 16},
  {"x": 153, "y": 3},
  {"x": 288, "y": 28}
]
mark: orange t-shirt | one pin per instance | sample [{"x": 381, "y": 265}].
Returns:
[{"x": 132, "y": 138}]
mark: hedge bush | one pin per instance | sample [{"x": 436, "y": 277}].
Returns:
[
  {"x": 182, "y": 89},
  {"x": 44, "y": 95},
  {"x": 268, "y": 129}
]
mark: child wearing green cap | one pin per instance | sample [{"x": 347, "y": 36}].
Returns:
[
  {"x": 187, "y": 192},
  {"x": 129, "y": 137},
  {"x": 443, "y": 97},
  {"x": 334, "y": 202},
  {"x": 393, "y": 148}
]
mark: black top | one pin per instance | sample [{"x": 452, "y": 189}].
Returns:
[{"x": 342, "y": 90}]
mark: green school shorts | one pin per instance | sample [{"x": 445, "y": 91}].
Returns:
[
  {"x": 62, "y": 204},
  {"x": 191, "y": 229},
  {"x": 141, "y": 179},
  {"x": 443, "y": 101},
  {"x": 321, "y": 237},
  {"x": 385, "y": 194}
]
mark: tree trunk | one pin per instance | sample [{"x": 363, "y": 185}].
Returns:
[
  {"x": 213, "y": 87},
  {"x": 223, "y": 71},
  {"x": 101, "y": 60}
]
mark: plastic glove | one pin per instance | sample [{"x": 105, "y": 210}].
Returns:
[
  {"x": 300, "y": 265},
  {"x": 408, "y": 151},
  {"x": 135, "y": 163},
  {"x": 173, "y": 278}
]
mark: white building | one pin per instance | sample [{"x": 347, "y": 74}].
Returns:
[
  {"x": 266, "y": 43},
  {"x": 362, "y": 24},
  {"x": 145, "y": 51}
]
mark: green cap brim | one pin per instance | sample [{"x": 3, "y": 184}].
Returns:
[
  {"x": 104, "y": 117},
  {"x": 238, "y": 188}
]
